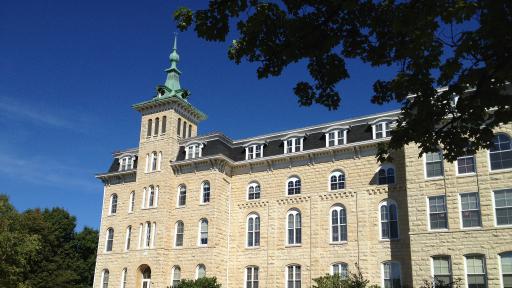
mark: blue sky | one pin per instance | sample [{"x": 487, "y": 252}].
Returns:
[{"x": 70, "y": 70}]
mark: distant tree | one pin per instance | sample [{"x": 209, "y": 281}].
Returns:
[
  {"x": 205, "y": 282},
  {"x": 460, "y": 45},
  {"x": 353, "y": 280}
]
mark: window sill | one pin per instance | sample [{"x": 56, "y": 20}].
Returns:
[
  {"x": 503, "y": 226},
  {"x": 294, "y": 195},
  {"x": 111, "y": 215},
  {"x": 252, "y": 248},
  {"x": 389, "y": 240},
  {"x": 181, "y": 207},
  {"x": 465, "y": 174},
  {"x": 149, "y": 208},
  {"x": 292, "y": 245},
  {"x": 498, "y": 171},
  {"x": 341, "y": 243},
  {"x": 178, "y": 247},
  {"x": 438, "y": 230},
  {"x": 204, "y": 204},
  {"x": 338, "y": 190},
  {"x": 472, "y": 228},
  {"x": 202, "y": 245},
  {"x": 254, "y": 200},
  {"x": 434, "y": 178}
]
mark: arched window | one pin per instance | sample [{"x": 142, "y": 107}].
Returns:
[
  {"x": 182, "y": 195},
  {"x": 205, "y": 192},
  {"x": 293, "y": 186},
  {"x": 203, "y": 232},
  {"x": 293, "y": 277},
  {"x": 386, "y": 175},
  {"x": 340, "y": 269},
  {"x": 391, "y": 274},
  {"x": 506, "y": 269},
  {"x": 151, "y": 197},
  {"x": 113, "y": 204},
  {"x": 154, "y": 161},
  {"x": 388, "y": 220},
  {"x": 337, "y": 180},
  {"x": 157, "y": 125},
  {"x": 132, "y": 202},
  {"x": 476, "y": 272},
  {"x": 294, "y": 229},
  {"x": 146, "y": 277},
  {"x": 128, "y": 238},
  {"x": 148, "y": 233},
  {"x": 180, "y": 231},
  {"x": 253, "y": 191},
  {"x": 253, "y": 230},
  {"x": 159, "y": 160},
  {"x": 184, "y": 129},
  {"x": 189, "y": 130},
  {"x": 104, "y": 278},
  {"x": 164, "y": 124},
  {"x": 441, "y": 270},
  {"x": 178, "y": 127},
  {"x": 338, "y": 224},
  {"x": 200, "y": 271},
  {"x": 176, "y": 276},
  {"x": 110, "y": 240},
  {"x": 500, "y": 153},
  {"x": 123, "y": 277},
  {"x": 252, "y": 277},
  {"x": 150, "y": 126}
]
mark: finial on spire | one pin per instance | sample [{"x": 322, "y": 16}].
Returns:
[
  {"x": 173, "y": 73},
  {"x": 175, "y": 47}
]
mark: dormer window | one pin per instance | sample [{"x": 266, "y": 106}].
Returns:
[
  {"x": 381, "y": 129},
  {"x": 293, "y": 145},
  {"x": 193, "y": 151},
  {"x": 126, "y": 163},
  {"x": 335, "y": 137},
  {"x": 253, "y": 151}
]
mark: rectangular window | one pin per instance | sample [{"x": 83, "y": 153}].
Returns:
[
  {"x": 434, "y": 164},
  {"x": 391, "y": 275},
  {"x": 503, "y": 206},
  {"x": 335, "y": 138},
  {"x": 289, "y": 145},
  {"x": 466, "y": 165},
  {"x": 252, "y": 277},
  {"x": 506, "y": 269},
  {"x": 475, "y": 267},
  {"x": 437, "y": 212},
  {"x": 340, "y": 269},
  {"x": 442, "y": 271},
  {"x": 381, "y": 130},
  {"x": 193, "y": 151},
  {"x": 253, "y": 152},
  {"x": 332, "y": 138},
  {"x": 470, "y": 210},
  {"x": 293, "y": 276}
]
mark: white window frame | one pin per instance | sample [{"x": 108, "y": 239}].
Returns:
[
  {"x": 253, "y": 279},
  {"x": 253, "y": 216},
  {"x": 295, "y": 142},
  {"x": 494, "y": 207},
  {"x": 107, "y": 240},
  {"x": 457, "y": 165},
  {"x": 197, "y": 270},
  {"x": 489, "y": 154},
  {"x": 340, "y": 137},
  {"x": 484, "y": 268},
  {"x": 502, "y": 273},
  {"x": 178, "y": 204},
  {"x": 103, "y": 278},
  {"x": 429, "y": 224},
  {"x": 296, "y": 213},
  {"x": 391, "y": 263},
  {"x": 127, "y": 240},
  {"x": 433, "y": 272},
  {"x": 153, "y": 159},
  {"x": 176, "y": 234},
  {"x": 149, "y": 234},
  {"x": 200, "y": 232},
  {"x": 152, "y": 190},
  {"x": 254, "y": 185},
  {"x": 254, "y": 151},
  {"x": 173, "y": 271},
  {"x": 126, "y": 163},
  {"x": 111, "y": 205},
  {"x": 387, "y": 203},
  {"x": 385, "y": 125},
  {"x": 202, "y": 196},
  {"x": 132, "y": 202},
  {"x": 461, "y": 218},
  {"x": 294, "y": 179},
  {"x": 123, "y": 277},
  {"x": 294, "y": 272},
  {"x": 194, "y": 150},
  {"x": 425, "y": 166},
  {"x": 337, "y": 173},
  {"x": 338, "y": 208},
  {"x": 341, "y": 264}
]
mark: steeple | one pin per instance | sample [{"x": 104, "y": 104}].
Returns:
[{"x": 173, "y": 73}]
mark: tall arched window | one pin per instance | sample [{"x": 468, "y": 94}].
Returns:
[
  {"x": 113, "y": 204},
  {"x": 182, "y": 195},
  {"x": 386, "y": 175},
  {"x": 294, "y": 227},
  {"x": 500, "y": 153},
  {"x": 252, "y": 277},
  {"x": 293, "y": 276},
  {"x": 164, "y": 124},
  {"x": 150, "y": 126},
  {"x": 123, "y": 277},
  {"x": 340, "y": 269},
  {"x": 253, "y": 191},
  {"x": 148, "y": 233},
  {"x": 176, "y": 276},
  {"x": 476, "y": 271},
  {"x": 184, "y": 129},
  {"x": 200, "y": 271},
  {"x": 154, "y": 161},
  {"x": 189, "y": 130},
  {"x": 110, "y": 240},
  {"x": 506, "y": 269},
  {"x": 203, "y": 232},
  {"x": 178, "y": 127},
  {"x": 205, "y": 192},
  {"x": 157, "y": 126},
  {"x": 104, "y": 278},
  {"x": 180, "y": 231},
  {"x": 388, "y": 220},
  {"x": 146, "y": 277},
  {"x": 132, "y": 202},
  {"x": 338, "y": 224},
  {"x": 128, "y": 238},
  {"x": 337, "y": 180},
  {"x": 151, "y": 196},
  {"x": 253, "y": 230},
  {"x": 293, "y": 186}
]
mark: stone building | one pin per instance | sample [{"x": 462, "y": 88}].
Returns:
[{"x": 281, "y": 209}]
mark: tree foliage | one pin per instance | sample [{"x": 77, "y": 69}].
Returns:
[
  {"x": 460, "y": 45},
  {"x": 204, "y": 282},
  {"x": 40, "y": 248},
  {"x": 353, "y": 280}
]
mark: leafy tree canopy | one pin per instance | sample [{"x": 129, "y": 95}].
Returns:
[
  {"x": 204, "y": 282},
  {"x": 461, "y": 45}
]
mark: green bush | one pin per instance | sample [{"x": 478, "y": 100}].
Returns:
[
  {"x": 353, "y": 280},
  {"x": 205, "y": 282}
]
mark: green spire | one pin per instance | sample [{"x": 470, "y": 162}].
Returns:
[{"x": 173, "y": 73}]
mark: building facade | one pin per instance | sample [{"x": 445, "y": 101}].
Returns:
[{"x": 281, "y": 209}]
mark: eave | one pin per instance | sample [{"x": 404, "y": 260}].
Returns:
[{"x": 156, "y": 102}]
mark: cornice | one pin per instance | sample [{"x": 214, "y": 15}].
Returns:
[
  {"x": 337, "y": 195},
  {"x": 253, "y": 204},
  {"x": 293, "y": 200}
]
